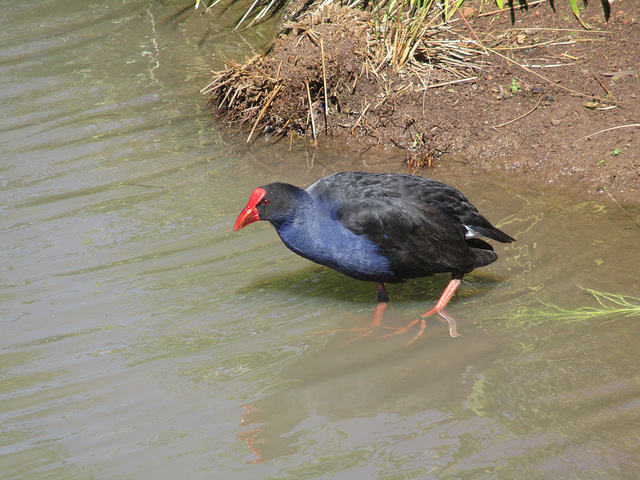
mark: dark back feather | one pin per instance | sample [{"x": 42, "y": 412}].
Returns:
[{"x": 419, "y": 224}]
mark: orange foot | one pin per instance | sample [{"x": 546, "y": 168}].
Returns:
[
  {"x": 367, "y": 329},
  {"x": 442, "y": 315}
]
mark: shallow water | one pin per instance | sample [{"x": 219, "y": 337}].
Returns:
[{"x": 141, "y": 338}]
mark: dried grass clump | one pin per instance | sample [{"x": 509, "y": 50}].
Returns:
[
  {"x": 243, "y": 93},
  {"x": 330, "y": 73},
  {"x": 342, "y": 70}
]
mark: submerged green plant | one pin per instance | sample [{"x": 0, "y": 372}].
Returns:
[{"x": 611, "y": 307}]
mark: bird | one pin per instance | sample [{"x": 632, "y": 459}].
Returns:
[{"x": 379, "y": 227}]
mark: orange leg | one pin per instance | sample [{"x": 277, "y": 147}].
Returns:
[
  {"x": 375, "y": 322},
  {"x": 369, "y": 329},
  {"x": 444, "y": 298},
  {"x": 437, "y": 310},
  {"x": 378, "y": 314}
]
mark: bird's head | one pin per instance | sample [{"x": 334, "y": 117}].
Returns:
[{"x": 275, "y": 203}]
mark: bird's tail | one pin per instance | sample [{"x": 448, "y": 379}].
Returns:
[
  {"x": 494, "y": 233},
  {"x": 482, "y": 252}
]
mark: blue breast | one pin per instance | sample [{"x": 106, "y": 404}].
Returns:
[{"x": 315, "y": 234}]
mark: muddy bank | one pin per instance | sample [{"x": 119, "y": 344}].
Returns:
[{"x": 542, "y": 98}]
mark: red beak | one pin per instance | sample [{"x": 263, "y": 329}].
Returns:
[{"x": 250, "y": 213}]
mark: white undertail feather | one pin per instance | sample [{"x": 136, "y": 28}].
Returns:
[{"x": 471, "y": 233}]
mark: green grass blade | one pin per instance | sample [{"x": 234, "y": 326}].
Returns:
[{"x": 611, "y": 307}]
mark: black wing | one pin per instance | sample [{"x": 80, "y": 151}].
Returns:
[
  {"x": 346, "y": 187},
  {"x": 417, "y": 242},
  {"x": 418, "y": 224}
]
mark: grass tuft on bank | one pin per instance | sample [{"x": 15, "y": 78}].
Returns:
[{"x": 388, "y": 11}]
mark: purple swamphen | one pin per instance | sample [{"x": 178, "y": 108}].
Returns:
[{"x": 382, "y": 228}]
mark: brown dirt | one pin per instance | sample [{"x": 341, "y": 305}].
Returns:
[{"x": 541, "y": 121}]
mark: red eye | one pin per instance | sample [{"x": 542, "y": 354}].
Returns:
[{"x": 265, "y": 202}]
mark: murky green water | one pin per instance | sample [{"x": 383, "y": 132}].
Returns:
[{"x": 141, "y": 338}]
